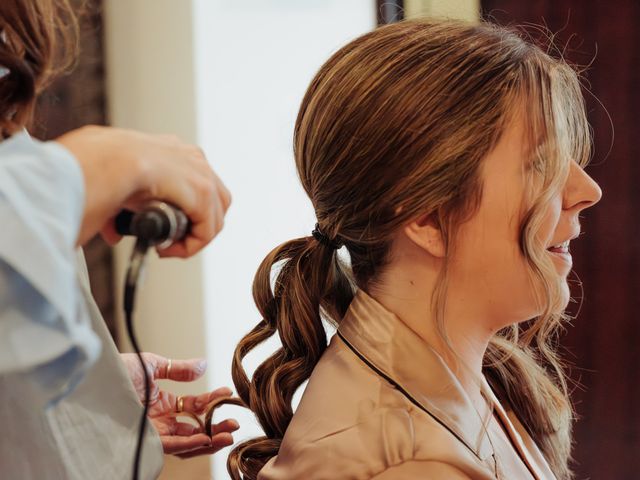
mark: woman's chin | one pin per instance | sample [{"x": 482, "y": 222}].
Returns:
[
  {"x": 559, "y": 303},
  {"x": 564, "y": 298}
]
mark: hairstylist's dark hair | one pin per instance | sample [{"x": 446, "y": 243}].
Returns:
[
  {"x": 39, "y": 40},
  {"x": 395, "y": 126}
]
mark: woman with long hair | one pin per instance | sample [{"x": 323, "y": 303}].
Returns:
[{"x": 445, "y": 163}]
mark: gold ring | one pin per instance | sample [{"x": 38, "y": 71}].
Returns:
[
  {"x": 166, "y": 374},
  {"x": 179, "y": 404}
]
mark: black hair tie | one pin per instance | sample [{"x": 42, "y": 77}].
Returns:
[{"x": 334, "y": 244}]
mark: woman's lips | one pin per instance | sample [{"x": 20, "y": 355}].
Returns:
[
  {"x": 562, "y": 254},
  {"x": 561, "y": 250}
]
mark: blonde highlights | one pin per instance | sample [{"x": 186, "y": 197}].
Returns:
[
  {"x": 558, "y": 135},
  {"x": 395, "y": 125}
]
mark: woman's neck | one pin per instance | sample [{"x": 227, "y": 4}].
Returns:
[{"x": 408, "y": 294}]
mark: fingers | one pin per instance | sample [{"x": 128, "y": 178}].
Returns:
[
  {"x": 206, "y": 223},
  {"x": 218, "y": 442},
  {"x": 186, "y": 440},
  {"x": 203, "y": 198},
  {"x": 166, "y": 402},
  {"x": 197, "y": 404},
  {"x": 176, "y": 444},
  {"x": 181, "y": 370},
  {"x": 136, "y": 374},
  {"x": 223, "y": 193},
  {"x": 229, "y": 425},
  {"x": 212, "y": 202},
  {"x": 183, "y": 429},
  {"x": 170, "y": 426},
  {"x": 221, "y": 392},
  {"x": 109, "y": 233}
]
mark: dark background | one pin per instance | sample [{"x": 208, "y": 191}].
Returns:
[{"x": 603, "y": 342}]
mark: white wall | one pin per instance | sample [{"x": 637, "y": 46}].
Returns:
[{"x": 254, "y": 61}]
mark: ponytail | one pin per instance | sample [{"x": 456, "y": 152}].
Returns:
[{"x": 311, "y": 283}]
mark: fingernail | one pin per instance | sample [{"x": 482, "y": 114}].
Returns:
[
  {"x": 234, "y": 423},
  {"x": 202, "y": 366}
]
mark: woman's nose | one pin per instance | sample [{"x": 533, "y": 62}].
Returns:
[{"x": 581, "y": 191}]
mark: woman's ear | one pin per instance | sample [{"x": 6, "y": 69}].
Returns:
[{"x": 425, "y": 232}]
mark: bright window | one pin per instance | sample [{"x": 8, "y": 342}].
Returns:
[{"x": 254, "y": 60}]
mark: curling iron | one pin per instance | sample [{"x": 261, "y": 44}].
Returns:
[{"x": 156, "y": 224}]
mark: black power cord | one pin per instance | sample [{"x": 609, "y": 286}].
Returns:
[
  {"x": 133, "y": 274},
  {"x": 160, "y": 225}
]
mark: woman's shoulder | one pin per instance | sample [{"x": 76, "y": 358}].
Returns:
[
  {"x": 352, "y": 423},
  {"x": 349, "y": 421},
  {"x": 347, "y": 392}
]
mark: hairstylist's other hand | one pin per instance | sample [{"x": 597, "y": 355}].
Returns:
[
  {"x": 179, "y": 438},
  {"x": 125, "y": 169}
]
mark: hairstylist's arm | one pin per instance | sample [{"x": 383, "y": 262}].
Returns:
[{"x": 124, "y": 169}]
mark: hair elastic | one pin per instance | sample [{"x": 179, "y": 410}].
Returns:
[{"x": 334, "y": 244}]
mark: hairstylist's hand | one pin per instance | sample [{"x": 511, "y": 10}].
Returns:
[
  {"x": 178, "y": 438},
  {"x": 125, "y": 169}
]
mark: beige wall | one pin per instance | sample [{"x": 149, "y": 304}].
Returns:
[
  {"x": 150, "y": 87},
  {"x": 460, "y": 9}
]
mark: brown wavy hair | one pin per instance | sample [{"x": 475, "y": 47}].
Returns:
[
  {"x": 39, "y": 41},
  {"x": 395, "y": 125}
]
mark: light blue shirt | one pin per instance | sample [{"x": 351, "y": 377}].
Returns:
[
  {"x": 44, "y": 326},
  {"x": 68, "y": 410}
]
